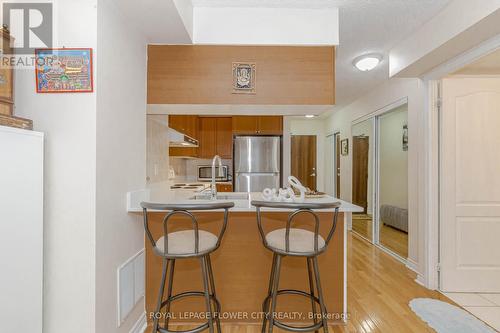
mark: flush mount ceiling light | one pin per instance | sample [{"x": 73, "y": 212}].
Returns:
[
  {"x": 367, "y": 62},
  {"x": 310, "y": 116}
]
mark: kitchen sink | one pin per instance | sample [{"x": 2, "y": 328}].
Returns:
[{"x": 222, "y": 196}]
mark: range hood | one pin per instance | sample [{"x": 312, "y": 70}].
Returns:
[{"x": 177, "y": 139}]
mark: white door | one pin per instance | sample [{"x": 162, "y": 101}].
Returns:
[{"x": 470, "y": 185}]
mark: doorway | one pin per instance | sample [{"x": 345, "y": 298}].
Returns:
[
  {"x": 303, "y": 159},
  {"x": 332, "y": 165},
  {"x": 360, "y": 149},
  {"x": 362, "y": 177}
]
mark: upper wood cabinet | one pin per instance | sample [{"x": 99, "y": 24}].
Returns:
[
  {"x": 258, "y": 125},
  {"x": 270, "y": 125},
  {"x": 215, "y": 137},
  {"x": 188, "y": 125},
  {"x": 224, "y": 137},
  {"x": 208, "y": 126}
]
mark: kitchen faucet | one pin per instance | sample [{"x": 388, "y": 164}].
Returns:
[{"x": 213, "y": 190}]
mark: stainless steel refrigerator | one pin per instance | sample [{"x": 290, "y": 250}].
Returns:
[{"x": 257, "y": 163}]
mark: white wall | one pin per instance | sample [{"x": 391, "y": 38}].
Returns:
[
  {"x": 341, "y": 121},
  {"x": 185, "y": 9},
  {"x": 266, "y": 26},
  {"x": 69, "y": 123},
  {"x": 303, "y": 126},
  {"x": 393, "y": 161},
  {"x": 121, "y": 156}
]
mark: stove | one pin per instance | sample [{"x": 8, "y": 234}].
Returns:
[{"x": 189, "y": 186}]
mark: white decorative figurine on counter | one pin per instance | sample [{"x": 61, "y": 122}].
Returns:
[{"x": 287, "y": 194}]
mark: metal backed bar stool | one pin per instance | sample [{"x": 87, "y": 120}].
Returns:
[
  {"x": 295, "y": 242},
  {"x": 191, "y": 243}
]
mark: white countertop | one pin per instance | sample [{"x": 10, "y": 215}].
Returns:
[{"x": 161, "y": 194}]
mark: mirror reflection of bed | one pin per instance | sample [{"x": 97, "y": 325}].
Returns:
[
  {"x": 386, "y": 159},
  {"x": 393, "y": 180}
]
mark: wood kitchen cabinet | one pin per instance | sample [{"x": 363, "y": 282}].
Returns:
[
  {"x": 224, "y": 137},
  {"x": 207, "y": 127},
  {"x": 258, "y": 125},
  {"x": 188, "y": 125},
  {"x": 185, "y": 124},
  {"x": 215, "y": 137},
  {"x": 224, "y": 187}
]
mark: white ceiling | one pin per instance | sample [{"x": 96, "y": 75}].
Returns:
[{"x": 366, "y": 26}]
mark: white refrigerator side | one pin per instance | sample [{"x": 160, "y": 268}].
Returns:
[{"x": 21, "y": 230}]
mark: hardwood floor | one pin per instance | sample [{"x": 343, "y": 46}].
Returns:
[
  {"x": 379, "y": 289},
  {"x": 393, "y": 239}
]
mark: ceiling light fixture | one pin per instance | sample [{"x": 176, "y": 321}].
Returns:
[
  {"x": 310, "y": 116},
  {"x": 367, "y": 62}
]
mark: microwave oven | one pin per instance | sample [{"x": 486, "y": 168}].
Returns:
[{"x": 205, "y": 173}]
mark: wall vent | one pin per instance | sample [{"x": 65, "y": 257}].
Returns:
[{"x": 131, "y": 285}]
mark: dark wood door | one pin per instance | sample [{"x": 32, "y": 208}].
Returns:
[
  {"x": 303, "y": 156},
  {"x": 337, "y": 165},
  {"x": 224, "y": 137},
  {"x": 208, "y": 127},
  {"x": 360, "y": 148}
]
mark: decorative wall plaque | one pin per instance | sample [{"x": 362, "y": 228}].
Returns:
[{"x": 244, "y": 78}]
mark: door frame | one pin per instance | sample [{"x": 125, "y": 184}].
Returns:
[
  {"x": 430, "y": 121},
  {"x": 334, "y": 160}
]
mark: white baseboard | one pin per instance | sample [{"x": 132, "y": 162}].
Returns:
[
  {"x": 410, "y": 264},
  {"x": 420, "y": 280},
  {"x": 141, "y": 325}
]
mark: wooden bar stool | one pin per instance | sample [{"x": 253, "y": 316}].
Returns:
[
  {"x": 191, "y": 243},
  {"x": 296, "y": 242}
]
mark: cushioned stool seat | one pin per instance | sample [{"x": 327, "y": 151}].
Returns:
[
  {"x": 183, "y": 242},
  {"x": 300, "y": 240}
]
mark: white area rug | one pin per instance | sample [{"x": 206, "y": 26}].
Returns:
[{"x": 446, "y": 318}]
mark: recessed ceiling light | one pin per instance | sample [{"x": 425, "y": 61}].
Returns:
[
  {"x": 310, "y": 116},
  {"x": 367, "y": 62}
]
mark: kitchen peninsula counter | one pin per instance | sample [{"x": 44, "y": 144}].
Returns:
[{"x": 242, "y": 264}]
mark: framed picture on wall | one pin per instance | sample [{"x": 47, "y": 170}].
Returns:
[
  {"x": 344, "y": 147},
  {"x": 244, "y": 78},
  {"x": 66, "y": 70}
]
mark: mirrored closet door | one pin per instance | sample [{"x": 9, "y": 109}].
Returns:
[
  {"x": 363, "y": 144},
  {"x": 380, "y": 179}
]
